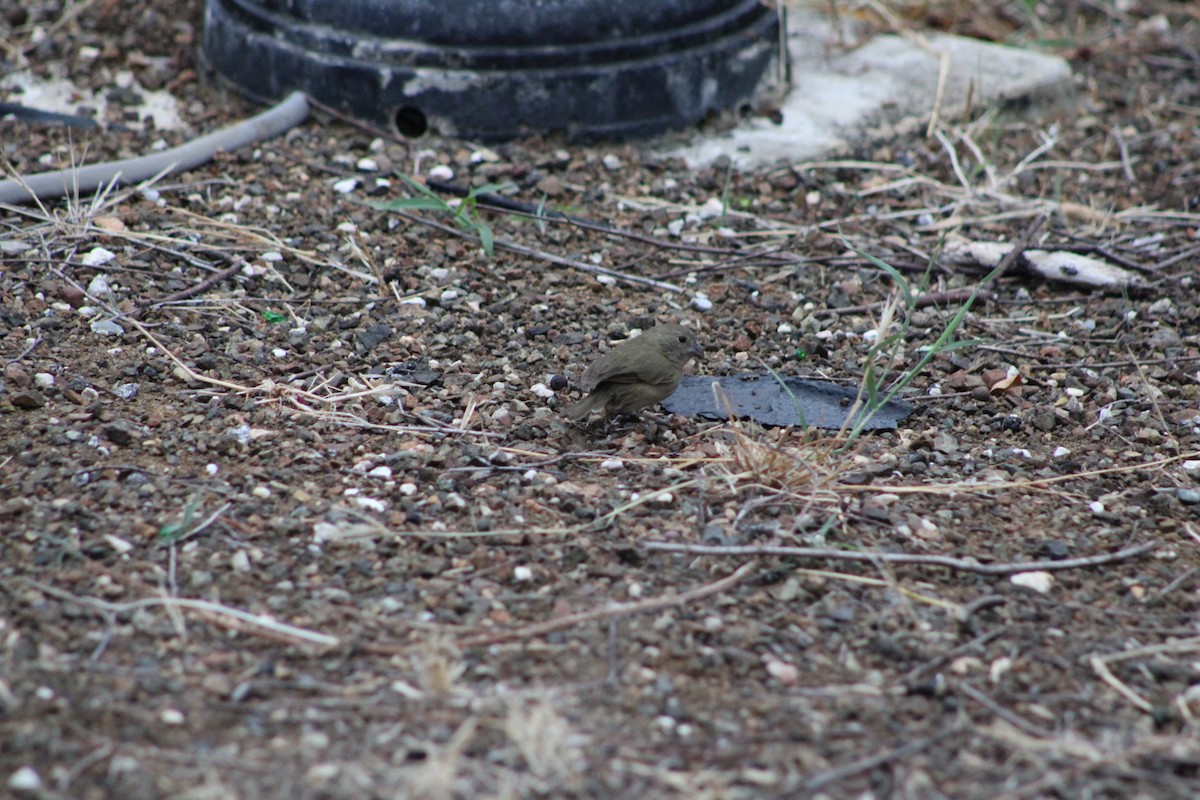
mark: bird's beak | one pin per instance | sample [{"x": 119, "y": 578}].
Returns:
[{"x": 696, "y": 350}]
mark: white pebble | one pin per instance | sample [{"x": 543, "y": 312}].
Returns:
[
  {"x": 1061, "y": 451},
  {"x": 25, "y": 779},
  {"x": 522, "y": 574},
  {"x": 441, "y": 172},
  {"x": 240, "y": 561},
  {"x": 785, "y": 673},
  {"x": 712, "y": 207},
  {"x": 382, "y": 472},
  {"x": 1039, "y": 581},
  {"x": 612, "y": 464},
  {"x": 106, "y": 327},
  {"x": 43, "y": 380},
  {"x": 1160, "y": 307},
  {"x": 326, "y": 532},
  {"x": 611, "y": 162},
  {"x": 408, "y": 489},
  {"x": 346, "y": 186},
  {"x": 370, "y": 503},
  {"x": 171, "y": 716},
  {"x": 96, "y": 257},
  {"x": 542, "y": 390},
  {"x": 367, "y": 165},
  {"x": 212, "y": 469},
  {"x": 347, "y": 227},
  {"x": 261, "y": 492},
  {"x": 700, "y": 302},
  {"x": 119, "y": 545}
]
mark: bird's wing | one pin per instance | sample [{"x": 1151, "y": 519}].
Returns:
[{"x": 609, "y": 370}]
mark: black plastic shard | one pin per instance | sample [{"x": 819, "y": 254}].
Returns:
[
  {"x": 761, "y": 398},
  {"x": 497, "y": 69}
]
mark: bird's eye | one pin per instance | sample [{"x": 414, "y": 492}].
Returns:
[{"x": 682, "y": 339}]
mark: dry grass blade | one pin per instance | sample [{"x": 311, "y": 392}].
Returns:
[
  {"x": 255, "y": 623},
  {"x": 961, "y": 564}
]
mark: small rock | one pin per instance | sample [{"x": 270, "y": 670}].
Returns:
[
  {"x": 16, "y": 375},
  {"x": 25, "y": 779},
  {"x": 106, "y": 327},
  {"x": 28, "y": 400},
  {"x": 1160, "y": 307},
  {"x": 171, "y": 716},
  {"x": 96, "y": 257},
  {"x": 785, "y": 673},
  {"x": 240, "y": 561},
  {"x": 1040, "y": 581},
  {"x": 551, "y": 186},
  {"x": 1189, "y": 497},
  {"x": 119, "y": 433}
]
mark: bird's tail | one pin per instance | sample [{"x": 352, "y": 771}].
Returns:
[{"x": 581, "y": 408}]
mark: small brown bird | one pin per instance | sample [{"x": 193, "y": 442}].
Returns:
[{"x": 637, "y": 373}]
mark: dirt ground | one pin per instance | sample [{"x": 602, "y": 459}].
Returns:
[{"x": 308, "y": 523}]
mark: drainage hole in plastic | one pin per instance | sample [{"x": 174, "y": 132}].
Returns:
[{"x": 411, "y": 122}]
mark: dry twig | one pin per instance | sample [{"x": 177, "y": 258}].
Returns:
[
  {"x": 225, "y": 615},
  {"x": 571, "y": 620},
  {"x": 961, "y": 564}
]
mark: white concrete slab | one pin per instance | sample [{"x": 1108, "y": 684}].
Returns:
[{"x": 844, "y": 96}]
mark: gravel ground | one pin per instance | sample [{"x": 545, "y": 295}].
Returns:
[{"x": 308, "y": 522}]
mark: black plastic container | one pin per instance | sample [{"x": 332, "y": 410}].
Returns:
[{"x": 496, "y": 69}]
